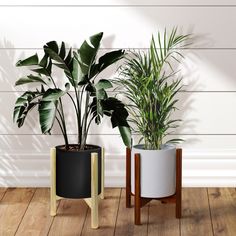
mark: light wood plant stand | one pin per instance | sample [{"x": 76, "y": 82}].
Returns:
[
  {"x": 94, "y": 200},
  {"x": 139, "y": 201}
]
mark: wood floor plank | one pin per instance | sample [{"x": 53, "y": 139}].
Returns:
[
  {"x": 70, "y": 218},
  {"x": 26, "y": 211},
  {"x": 196, "y": 218},
  {"x": 223, "y": 210},
  {"x": 37, "y": 219},
  {"x": 107, "y": 215},
  {"x": 162, "y": 220},
  {"x": 125, "y": 220},
  {"x": 12, "y": 209},
  {"x": 2, "y": 192}
]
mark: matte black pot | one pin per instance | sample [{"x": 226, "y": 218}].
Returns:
[{"x": 73, "y": 172}]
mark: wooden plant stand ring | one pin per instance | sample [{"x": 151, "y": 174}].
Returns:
[{"x": 139, "y": 201}]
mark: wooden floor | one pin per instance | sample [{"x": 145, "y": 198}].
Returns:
[{"x": 206, "y": 212}]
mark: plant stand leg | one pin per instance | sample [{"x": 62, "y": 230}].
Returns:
[
  {"x": 137, "y": 197},
  {"x": 141, "y": 201},
  {"x": 128, "y": 177},
  {"x": 94, "y": 190},
  {"x": 102, "y": 174},
  {"x": 53, "y": 183},
  {"x": 178, "y": 183}
]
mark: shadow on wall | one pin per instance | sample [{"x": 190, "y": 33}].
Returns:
[
  {"x": 22, "y": 151},
  {"x": 9, "y": 73}
]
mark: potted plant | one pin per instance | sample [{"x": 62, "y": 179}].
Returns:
[
  {"x": 89, "y": 100},
  {"x": 150, "y": 84}
]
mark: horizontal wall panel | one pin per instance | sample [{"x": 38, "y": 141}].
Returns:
[
  {"x": 200, "y": 169},
  {"x": 118, "y": 2},
  {"x": 207, "y": 113},
  {"x": 33, "y": 170},
  {"x": 209, "y": 70},
  {"x": 202, "y": 70},
  {"x": 123, "y": 30},
  {"x": 30, "y": 145},
  {"x": 201, "y": 113}
]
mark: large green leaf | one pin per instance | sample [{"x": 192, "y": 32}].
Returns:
[
  {"x": 87, "y": 53},
  {"x": 75, "y": 72},
  {"x": 30, "y": 79},
  {"x": 51, "y": 48},
  {"x": 109, "y": 58},
  {"x": 44, "y": 61},
  {"x": 61, "y": 60},
  {"x": 45, "y": 66},
  {"x": 47, "y": 114},
  {"x": 119, "y": 117},
  {"x": 101, "y": 94},
  {"x": 117, "y": 110},
  {"x": 23, "y": 105},
  {"x": 96, "y": 110},
  {"x": 48, "y": 107},
  {"x": 56, "y": 57},
  {"x": 32, "y": 60},
  {"x": 53, "y": 45},
  {"x": 125, "y": 133},
  {"x": 103, "y": 84},
  {"x": 54, "y": 94}
]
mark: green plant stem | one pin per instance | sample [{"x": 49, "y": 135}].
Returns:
[
  {"x": 62, "y": 130},
  {"x": 62, "y": 118},
  {"x": 88, "y": 126},
  {"x": 84, "y": 123},
  {"x": 78, "y": 116},
  {"x": 73, "y": 102},
  {"x": 53, "y": 81},
  {"x": 76, "y": 110},
  {"x": 64, "y": 124},
  {"x": 89, "y": 123}
]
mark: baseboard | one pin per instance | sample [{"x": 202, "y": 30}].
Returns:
[{"x": 200, "y": 169}]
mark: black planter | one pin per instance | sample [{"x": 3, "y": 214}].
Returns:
[{"x": 73, "y": 172}]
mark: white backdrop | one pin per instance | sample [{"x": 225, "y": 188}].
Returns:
[{"x": 207, "y": 107}]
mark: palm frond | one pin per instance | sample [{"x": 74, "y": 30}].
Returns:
[{"x": 150, "y": 86}]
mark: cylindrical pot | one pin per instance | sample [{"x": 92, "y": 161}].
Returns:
[
  {"x": 157, "y": 170},
  {"x": 73, "y": 171}
]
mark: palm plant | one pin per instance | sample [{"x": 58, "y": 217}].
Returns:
[
  {"x": 146, "y": 78},
  {"x": 90, "y": 98}
]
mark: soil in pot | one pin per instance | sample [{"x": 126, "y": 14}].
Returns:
[{"x": 73, "y": 171}]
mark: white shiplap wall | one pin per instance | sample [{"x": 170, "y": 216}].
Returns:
[{"x": 208, "y": 107}]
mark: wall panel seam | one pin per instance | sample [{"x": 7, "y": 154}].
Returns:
[
  {"x": 120, "y": 92},
  {"x": 133, "y": 48},
  {"x": 128, "y": 6},
  {"x": 116, "y": 134}
]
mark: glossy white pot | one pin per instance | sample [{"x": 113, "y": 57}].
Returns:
[{"x": 158, "y": 171}]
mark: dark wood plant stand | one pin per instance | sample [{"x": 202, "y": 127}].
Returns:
[{"x": 141, "y": 201}]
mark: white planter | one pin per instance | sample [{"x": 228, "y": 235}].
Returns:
[{"x": 158, "y": 171}]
